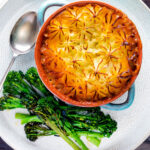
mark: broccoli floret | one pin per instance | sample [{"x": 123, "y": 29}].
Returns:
[
  {"x": 16, "y": 86},
  {"x": 90, "y": 119},
  {"x": 34, "y": 130},
  {"x": 33, "y": 78},
  {"x": 10, "y": 103}
]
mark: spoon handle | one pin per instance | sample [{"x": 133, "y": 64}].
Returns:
[{"x": 8, "y": 69}]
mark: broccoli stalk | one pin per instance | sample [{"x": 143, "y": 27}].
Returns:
[
  {"x": 50, "y": 116},
  {"x": 94, "y": 140},
  {"x": 90, "y": 134},
  {"x": 71, "y": 132},
  {"x": 26, "y": 118},
  {"x": 34, "y": 130},
  {"x": 61, "y": 133}
]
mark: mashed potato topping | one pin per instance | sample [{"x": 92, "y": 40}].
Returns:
[{"x": 90, "y": 52}]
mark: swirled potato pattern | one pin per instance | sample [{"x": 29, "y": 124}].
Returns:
[{"x": 90, "y": 52}]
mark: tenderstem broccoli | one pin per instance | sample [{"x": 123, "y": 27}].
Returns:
[
  {"x": 52, "y": 117},
  {"x": 10, "y": 103},
  {"x": 47, "y": 116},
  {"x": 26, "y": 118},
  {"x": 94, "y": 140},
  {"x": 16, "y": 86},
  {"x": 33, "y": 78},
  {"x": 34, "y": 130}
]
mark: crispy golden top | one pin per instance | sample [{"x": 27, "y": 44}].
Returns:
[{"x": 90, "y": 52}]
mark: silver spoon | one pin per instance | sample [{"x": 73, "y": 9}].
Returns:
[{"x": 22, "y": 38}]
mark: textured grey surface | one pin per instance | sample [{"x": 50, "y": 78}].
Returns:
[{"x": 144, "y": 146}]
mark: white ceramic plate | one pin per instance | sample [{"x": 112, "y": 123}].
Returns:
[{"x": 133, "y": 123}]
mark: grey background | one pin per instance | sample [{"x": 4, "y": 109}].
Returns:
[{"x": 144, "y": 146}]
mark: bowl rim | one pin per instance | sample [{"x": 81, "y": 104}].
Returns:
[{"x": 44, "y": 77}]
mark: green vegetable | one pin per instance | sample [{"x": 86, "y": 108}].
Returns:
[
  {"x": 52, "y": 118},
  {"x": 90, "y": 119},
  {"x": 90, "y": 134},
  {"x": 33, "y": 78},
  {"x": 10, "y": 103},
  {"x": 34, "y": 130},
  {"x": 103, "y": 123},
  {"x": 47, "y": 116},
  {"x": 26, "y": 118},
  {"x": 71, "y": 132},
  {"x": 94, "y": 140},
  {"x": 16, "y": 86}
]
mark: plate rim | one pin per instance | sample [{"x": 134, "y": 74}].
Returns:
[{"x": 13, "y": 146}]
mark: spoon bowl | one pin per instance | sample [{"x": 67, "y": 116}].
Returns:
[
  {"x": 22, "y": 38},
  {"x": 24, "y": 33}
]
